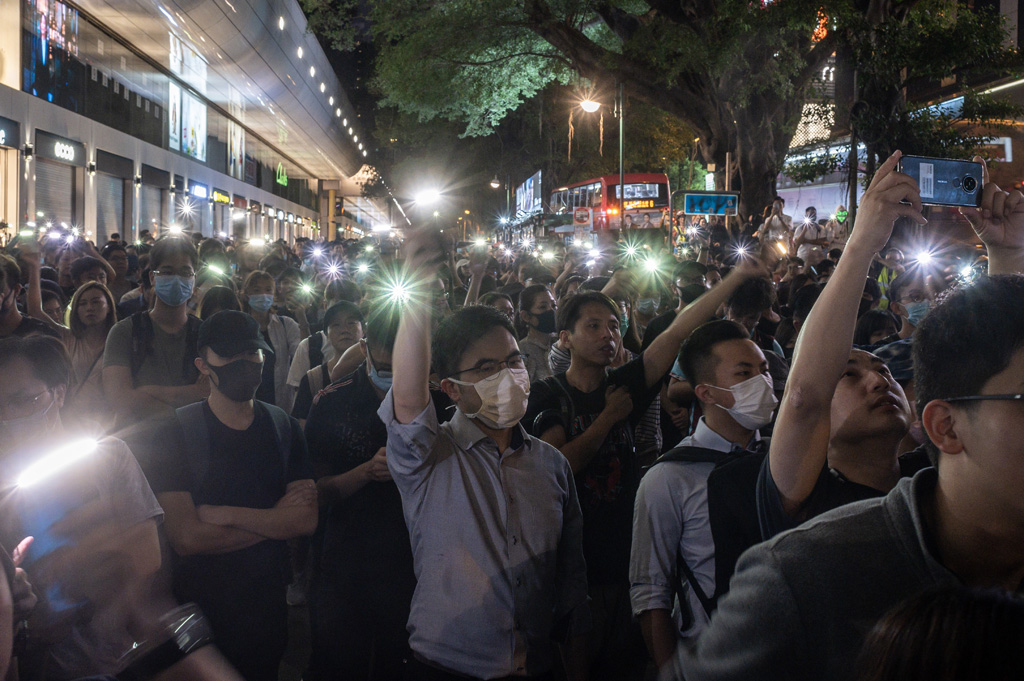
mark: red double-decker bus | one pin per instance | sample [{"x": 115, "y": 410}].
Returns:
[{"x": 646, "y": 200}]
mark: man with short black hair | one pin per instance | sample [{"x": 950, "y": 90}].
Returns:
[
  {"x": 746, "y": 306},
  {"x": 12, "y": 321},
  {"x": 148, "y": 364},
  {"x": 492, "y": 513},
  {"x": 233, "y": 477},
  {"x": 674, "y": 550},
  {"x": 802, "y": 602},
  {"x": 590, "y": 412}
]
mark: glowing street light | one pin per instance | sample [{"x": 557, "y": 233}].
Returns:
[
  {"x": 925, "y": 258},
  {"x": 495, "y": 183},
  {"x": 589, "y": 105}
]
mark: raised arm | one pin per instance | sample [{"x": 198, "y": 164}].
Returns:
[
  {"x": 999, "y": 223},
  {"x": 799, "y": 444},
  {"x": 411, "y": 363},
  {"x": 477, "y": 265},
  {"x": 658, "y": 358}
]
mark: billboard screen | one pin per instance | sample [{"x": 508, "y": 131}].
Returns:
[{"x": 528, "y": 196}]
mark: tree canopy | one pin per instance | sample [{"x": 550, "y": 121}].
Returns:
[{"x": 736, "y": 72}]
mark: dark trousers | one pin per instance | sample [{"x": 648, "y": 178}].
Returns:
[{"x": 417, "y": 670}]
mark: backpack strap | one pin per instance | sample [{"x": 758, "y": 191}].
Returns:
[
  {"x": 684, "y": 574},
  {"x": 282, "y": 435},
  {"x": 142, "y": 341},
  {"x": 192, "y": 324},
  {"x": 197, "y": 442},
  {"x": 316, "y": 350},
  {"x": 565, "y": 406}
]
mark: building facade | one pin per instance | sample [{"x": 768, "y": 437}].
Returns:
[{"x": 222, "y": 117}]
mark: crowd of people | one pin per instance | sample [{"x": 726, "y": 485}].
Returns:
[{"x": 759, "y": 458}]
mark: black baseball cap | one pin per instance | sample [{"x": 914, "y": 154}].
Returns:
[{"x": 230, "y": 333}]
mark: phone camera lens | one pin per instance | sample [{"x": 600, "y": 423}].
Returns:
[{"x": 970, "y": 184}]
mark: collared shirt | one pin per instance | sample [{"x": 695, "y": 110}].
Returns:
[
  {"x": 800, "y": 605},
  {"x": 536, "y": 358},
  {"x": 671, "y": 519},
  {"x": 496, "y": 541}
]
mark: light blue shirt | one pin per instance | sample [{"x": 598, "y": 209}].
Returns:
[
  {"x": 671, "y": 518},
  {"x": 496, "y": 542}
]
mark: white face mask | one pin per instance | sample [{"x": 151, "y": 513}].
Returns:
[
  {"x": 754, "y": 401},
  {"x": 503, "y": 397}
]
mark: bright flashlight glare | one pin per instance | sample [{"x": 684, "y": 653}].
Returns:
[
  {"x": 70, "y": 238},
  {"x": 651, "y": 265},
  {"x": 588, "y": 246},
  {"x": 591, "y": 263},
  {"x": 428, "y": 196},
  {"x": 317, "y": 252},
  {"x": 782, "y": 247},
  {"x": 56, "y": 461},
  {"x": 631, "y": 251},
  {"x": 549, "y": 256},
  {"x": 967, "y": 272},
  {"x": 26, "y": 232},
  {"x": 399, "y": 293},
  {"x": 216, "y": 269},
  {"x": 306, "y": 288},
  {"x": 368, "y": 249},
  {"x": 480, "y": 241},
  {"x": 742, "y": 251},
  {"x": 257, "y": 242},
  {"x": 925, "y": 258},
  {"x": 175, "y": 229},
  {"x": 333, "y": 270},
  {"x": 363, "y": 268},
  {"x": 75, "y": 231}
]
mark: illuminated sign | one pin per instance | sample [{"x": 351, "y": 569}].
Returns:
[
  {"x": 200, "y": 191},
  {"x": 282, "y": 175},
  {"x": 9, "y": 132},
  {"x": 646, "y": 203},
  {"x": 220, "y": 196},
  {"x": 711, "y": 203},
  {"x": 59, "y": 149},
  {"x": 280, "y": 214}
]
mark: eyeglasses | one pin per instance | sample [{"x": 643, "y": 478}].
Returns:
[
  {"x": 986, "y": 398},
  {"x": 23, "y": 404},
  {"x": 186, "y": 273},
  {"x": 490, "y": 368}
]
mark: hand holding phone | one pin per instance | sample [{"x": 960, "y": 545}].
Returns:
[{"x": 945, "y": 181}]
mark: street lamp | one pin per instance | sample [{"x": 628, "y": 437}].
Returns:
[
  {"x": 590, "y": 106},
  {"x": 495, "y": 183},
  {"x": 428, "y": 197}
]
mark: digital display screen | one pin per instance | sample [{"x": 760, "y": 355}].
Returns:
[{"x": 640, "y": 191}]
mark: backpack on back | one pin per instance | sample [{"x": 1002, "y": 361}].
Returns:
[
  {"x": 732, "y": 513},
  {"x": 197, "y": 439}
]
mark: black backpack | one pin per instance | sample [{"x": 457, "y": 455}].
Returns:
[
  {"x": 732, "y": 513},
  {"x": 316, "y": 350},
  {"x": 142, "y": 344},
  {"x": 197, "y": 439}
]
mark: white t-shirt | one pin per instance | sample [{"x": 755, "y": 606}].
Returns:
[
  {"x": 778, "y": 227},
  {"x": 810, "y": 253}
]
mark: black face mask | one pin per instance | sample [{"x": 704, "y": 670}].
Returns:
[
  {"x": 546, "y": 321},
  {"x": 239, "y": 380}
]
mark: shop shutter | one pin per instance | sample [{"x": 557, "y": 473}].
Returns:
[
  {"x": 109, "y": 206},
  {"x": 150, "y": 208},
  {"x": 55, "y": 191}
]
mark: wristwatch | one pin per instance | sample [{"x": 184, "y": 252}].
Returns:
[{"x": 185, "y": 630}]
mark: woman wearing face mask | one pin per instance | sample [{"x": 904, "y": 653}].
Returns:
[
  {"x": 90, "y": 317},
  {"x": 537, "y": 313},
  {"x": 283, "y": 334}
]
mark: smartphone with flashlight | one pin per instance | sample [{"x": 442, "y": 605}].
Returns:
[{"x": 945, "y": 181}]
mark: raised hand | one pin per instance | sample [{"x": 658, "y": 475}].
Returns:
[
  {"x": 999, "y": 223},
  {"x": 890, "y": 195},
  {"x": 424, "y": 249}
]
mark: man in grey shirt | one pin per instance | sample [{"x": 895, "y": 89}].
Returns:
[
  {"x": 493, "y": 517},
  {"x": 800, "y": 605}
]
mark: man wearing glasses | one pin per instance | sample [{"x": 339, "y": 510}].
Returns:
[
  {"x": 803, "y": 602},
  {"x": 492, "y": 513},
  {"x": 148, "y": 363}
]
